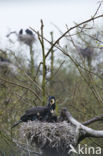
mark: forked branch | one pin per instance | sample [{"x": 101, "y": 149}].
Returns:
[{"x": 84, "y": 131}]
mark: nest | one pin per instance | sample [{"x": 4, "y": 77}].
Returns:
[{"x": 49, "y": 136}]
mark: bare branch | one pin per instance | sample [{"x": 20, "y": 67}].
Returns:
[
  {"x": 97, "y": 10},
  {"x": 97, "y": 118},
  {"x": 57, "y": 41},
  {"x": 86, "y": 132},
  {"x": 19, "y": 85},
  {"x": 25, "y": 148},
  {"x": 38, "y": 69},
  {"x": 87, "y": 21},
  {"x": 49, "y": 79}
]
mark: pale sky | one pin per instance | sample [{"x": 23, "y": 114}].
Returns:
[{"x": 16, "y": 14}]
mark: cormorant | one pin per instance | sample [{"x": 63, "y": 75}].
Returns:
[
  {"x": 2, "y": 59},
  {"x": 42, "y": 113},
  {"x": 29, "y": 32},
  {"x": 21, "y": 32}
]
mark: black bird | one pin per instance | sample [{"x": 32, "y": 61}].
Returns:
[
  {"x": 2, "y": 59},
  {"x": 29, "y": 32},
  {"x": 21, "y": 32},
  {"x": 42, "y": 113}
]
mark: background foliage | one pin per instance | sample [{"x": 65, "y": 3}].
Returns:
[{"x": 76, "y": 85}]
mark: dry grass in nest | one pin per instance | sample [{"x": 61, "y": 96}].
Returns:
[{"x": 49, "y": 135}]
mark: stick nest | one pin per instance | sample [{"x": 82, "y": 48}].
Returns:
[{"x": 45, "y": 135}]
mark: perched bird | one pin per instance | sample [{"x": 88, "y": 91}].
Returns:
[
  {"x": 7, "y": 66},
  {"x": 21, "y": 32},
  {"x": 42, "y": 113},
  {"x": 29, "y": 32},
  {"x": 27, "y": 38},
  {"x": 2, "y": 59}
]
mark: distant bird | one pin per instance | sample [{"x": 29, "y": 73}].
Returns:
[
  {"x": 29, "y": 32},
  {"x": 86, "y": 52},
  {"x": 21, "y": 31},
  {"x": 2, "y": 59},
  {"x": 4, "y": 62},
  {"x": 28, "y": 37},
  {"x": 42, "y": 113}
]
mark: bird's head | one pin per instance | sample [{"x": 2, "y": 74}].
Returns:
[
  {"x": 21, "y": 32},
  {"x": 51, "y": 103}
]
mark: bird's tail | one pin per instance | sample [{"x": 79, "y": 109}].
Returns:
[{"x": 17, "y": 123}]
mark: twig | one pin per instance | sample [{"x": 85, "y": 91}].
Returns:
[
  {"x": 56, "y": 71},
  {"x": 34, "y": 81},
  {"x": 57, "y": 41},
  {"x": 13, "y": 32},
  {"x": 77, "y": 65},
  {"x": 94, "y": 38},
  {"x": 87, "y": 21},
  {"x": 38, "y": 70},
  {"x": 97, "y": 118},
  {"x": 97, "y": 10},
  {"x": 44, "y": 62},
  {"x": 19, "y": 85},
  {"x": 25, "y": 149}
]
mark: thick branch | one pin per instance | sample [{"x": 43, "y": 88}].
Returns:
[
  {"x": 44, "y": 62},
  {"x": 85, "y": 131}
]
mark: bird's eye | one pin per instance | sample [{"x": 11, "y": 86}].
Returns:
[{"x": 52, "y": 101}]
